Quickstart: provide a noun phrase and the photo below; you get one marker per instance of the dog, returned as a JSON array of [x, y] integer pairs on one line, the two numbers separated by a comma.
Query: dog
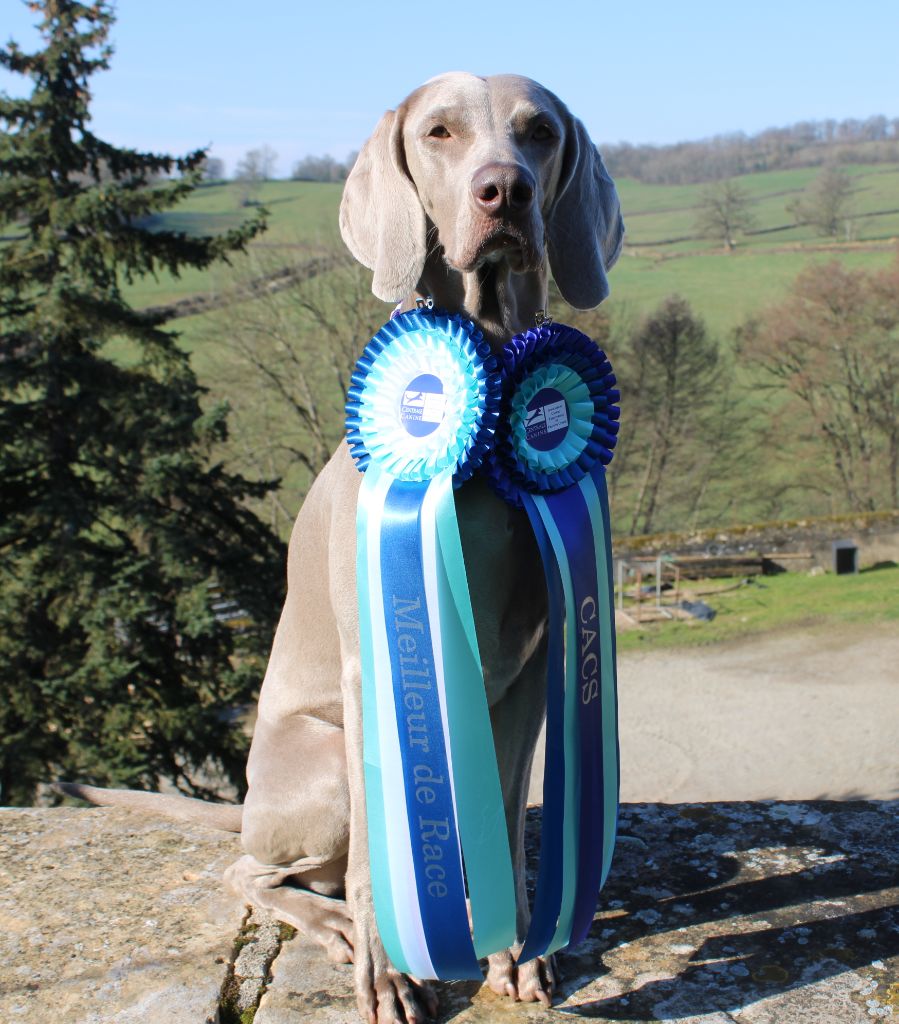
[[470, 192]]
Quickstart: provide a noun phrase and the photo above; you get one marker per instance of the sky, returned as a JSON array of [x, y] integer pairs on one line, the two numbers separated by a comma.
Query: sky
[[314, 77]]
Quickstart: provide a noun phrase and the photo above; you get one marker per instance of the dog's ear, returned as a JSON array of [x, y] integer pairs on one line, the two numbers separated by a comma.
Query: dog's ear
[[381, 217], [584, 229]]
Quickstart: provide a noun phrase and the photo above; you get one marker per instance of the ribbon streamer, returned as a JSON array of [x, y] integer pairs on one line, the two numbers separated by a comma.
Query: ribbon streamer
[[558, 431], [424, 414], [421, 415]]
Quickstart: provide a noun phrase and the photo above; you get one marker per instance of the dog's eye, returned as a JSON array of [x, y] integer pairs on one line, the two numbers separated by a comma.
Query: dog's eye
[[439, 131], [542, 132]]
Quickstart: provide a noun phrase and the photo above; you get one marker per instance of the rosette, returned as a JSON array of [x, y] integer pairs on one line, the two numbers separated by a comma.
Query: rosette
[[561, 412], [556, 434], [421, 414], [424, 397]]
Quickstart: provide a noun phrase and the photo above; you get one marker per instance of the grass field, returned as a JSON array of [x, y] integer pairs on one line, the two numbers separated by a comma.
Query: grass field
[[788, 601], [661, 257], [723, 287]]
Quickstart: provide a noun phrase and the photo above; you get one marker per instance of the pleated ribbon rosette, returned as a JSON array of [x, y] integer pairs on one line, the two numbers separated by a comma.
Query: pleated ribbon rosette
[[429, 406], [557, 431], [422, 410]]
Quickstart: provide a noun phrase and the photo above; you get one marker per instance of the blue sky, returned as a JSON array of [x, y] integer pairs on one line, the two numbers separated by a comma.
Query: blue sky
[[314, 77]]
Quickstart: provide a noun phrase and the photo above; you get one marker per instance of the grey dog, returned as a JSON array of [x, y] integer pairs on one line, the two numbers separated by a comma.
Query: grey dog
[[471, 192]]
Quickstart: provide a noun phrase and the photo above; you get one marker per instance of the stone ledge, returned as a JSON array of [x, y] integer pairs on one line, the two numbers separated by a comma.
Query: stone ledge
[[726, 913], [107, 916]]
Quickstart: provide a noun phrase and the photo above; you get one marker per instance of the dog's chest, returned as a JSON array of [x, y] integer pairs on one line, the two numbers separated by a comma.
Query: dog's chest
[[505, 577]]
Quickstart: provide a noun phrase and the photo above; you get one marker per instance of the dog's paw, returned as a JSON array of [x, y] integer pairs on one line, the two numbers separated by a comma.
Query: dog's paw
[[531, 982], [384, 996], [334, 930], [537, 980]]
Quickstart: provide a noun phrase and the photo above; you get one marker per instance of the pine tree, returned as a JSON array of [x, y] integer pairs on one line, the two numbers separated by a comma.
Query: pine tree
[[122, 542]]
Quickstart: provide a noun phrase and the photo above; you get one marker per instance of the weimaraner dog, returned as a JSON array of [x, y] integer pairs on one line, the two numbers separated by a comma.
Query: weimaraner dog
[[470, 192]]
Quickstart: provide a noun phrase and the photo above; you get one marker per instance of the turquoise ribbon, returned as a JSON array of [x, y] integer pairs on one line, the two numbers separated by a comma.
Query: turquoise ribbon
[[597, 498], [485, 838], [433, 794], [421, 415]]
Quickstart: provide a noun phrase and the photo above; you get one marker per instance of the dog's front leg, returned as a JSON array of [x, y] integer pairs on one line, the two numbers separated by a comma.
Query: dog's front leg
[[516, 721], [383, 994]]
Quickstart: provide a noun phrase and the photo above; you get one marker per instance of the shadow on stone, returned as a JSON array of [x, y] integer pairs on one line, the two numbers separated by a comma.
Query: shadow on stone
[[725, 913], [710, 909]]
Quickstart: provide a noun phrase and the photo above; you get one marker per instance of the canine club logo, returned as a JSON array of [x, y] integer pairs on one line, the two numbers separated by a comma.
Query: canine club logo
[[546, 423], [423, 405]]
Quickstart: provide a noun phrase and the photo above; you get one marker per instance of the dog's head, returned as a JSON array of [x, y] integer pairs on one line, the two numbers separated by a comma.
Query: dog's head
[[488, 169]]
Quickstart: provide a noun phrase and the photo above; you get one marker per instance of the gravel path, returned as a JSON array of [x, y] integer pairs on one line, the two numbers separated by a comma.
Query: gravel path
[[789, 716]]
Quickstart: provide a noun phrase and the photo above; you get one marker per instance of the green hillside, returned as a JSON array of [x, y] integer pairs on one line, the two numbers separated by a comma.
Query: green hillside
[[281, 359], [662, 254]]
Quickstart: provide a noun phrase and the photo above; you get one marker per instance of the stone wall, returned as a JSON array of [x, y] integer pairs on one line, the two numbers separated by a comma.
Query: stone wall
[[877, 535], [725, 913]]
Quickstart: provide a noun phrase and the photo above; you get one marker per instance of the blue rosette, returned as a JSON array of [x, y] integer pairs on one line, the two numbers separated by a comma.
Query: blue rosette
[[561, 412], [424, 396], [557, 433], [422, 411]]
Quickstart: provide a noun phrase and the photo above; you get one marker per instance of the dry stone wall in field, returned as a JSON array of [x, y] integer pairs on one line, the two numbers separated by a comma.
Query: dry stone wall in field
[[876, 534]]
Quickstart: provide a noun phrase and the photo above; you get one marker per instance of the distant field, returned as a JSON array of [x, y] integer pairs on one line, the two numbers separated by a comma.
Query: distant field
[[726, 287], [661, 257], [302, 217], [792, 600], [723, 287]]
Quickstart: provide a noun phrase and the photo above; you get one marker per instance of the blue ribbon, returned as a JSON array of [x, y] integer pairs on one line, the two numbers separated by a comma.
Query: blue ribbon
[[421, 416], [423, 412], [558, 431], [436, 853]]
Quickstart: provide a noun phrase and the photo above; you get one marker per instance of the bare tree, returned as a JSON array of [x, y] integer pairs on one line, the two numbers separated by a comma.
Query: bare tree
[[724, 212], [319, 168], [668, 377], [257, 164], [285, 365], [213, 168], [698, 472], [832, 344], [255, 167], [883, 383], [826, 203]]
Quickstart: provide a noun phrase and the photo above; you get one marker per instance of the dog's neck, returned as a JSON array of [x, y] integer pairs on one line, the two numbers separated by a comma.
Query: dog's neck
[[501, 302]]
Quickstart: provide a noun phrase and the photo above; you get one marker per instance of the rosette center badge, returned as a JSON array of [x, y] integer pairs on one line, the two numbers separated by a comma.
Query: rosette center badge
[[546, 420], [423, 405], [550, 417]]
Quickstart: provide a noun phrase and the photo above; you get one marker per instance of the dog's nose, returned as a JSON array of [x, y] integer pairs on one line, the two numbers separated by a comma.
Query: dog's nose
[[503, 189]]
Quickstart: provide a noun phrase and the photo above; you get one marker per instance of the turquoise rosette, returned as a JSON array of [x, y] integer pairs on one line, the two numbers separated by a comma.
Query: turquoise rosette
[[560, 412], [424, 397], [422, 411]]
